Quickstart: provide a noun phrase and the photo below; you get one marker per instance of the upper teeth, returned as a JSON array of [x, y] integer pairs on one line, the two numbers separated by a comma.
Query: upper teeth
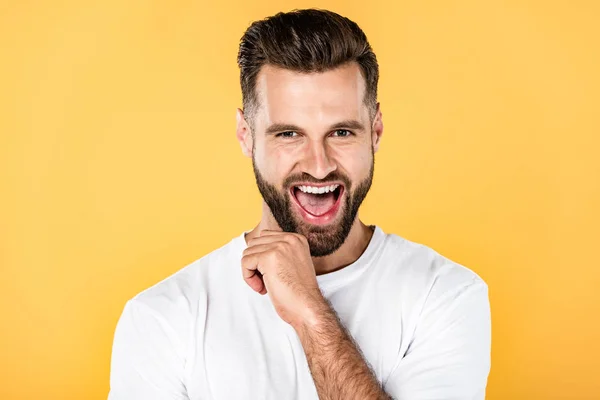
[[318, 190]]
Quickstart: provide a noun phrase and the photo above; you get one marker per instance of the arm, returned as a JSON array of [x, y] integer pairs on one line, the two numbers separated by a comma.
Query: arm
[[279, 264], [449, 354], [336, 363]]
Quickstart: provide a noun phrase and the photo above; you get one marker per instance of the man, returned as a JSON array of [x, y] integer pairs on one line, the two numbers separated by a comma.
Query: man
[[311, 303]]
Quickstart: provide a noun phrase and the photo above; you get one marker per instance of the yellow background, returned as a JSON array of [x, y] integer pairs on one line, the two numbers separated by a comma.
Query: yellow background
[[119, 166]]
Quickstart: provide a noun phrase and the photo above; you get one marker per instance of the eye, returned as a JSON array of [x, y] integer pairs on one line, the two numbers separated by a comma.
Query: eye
[[342, 133], [287, 134]]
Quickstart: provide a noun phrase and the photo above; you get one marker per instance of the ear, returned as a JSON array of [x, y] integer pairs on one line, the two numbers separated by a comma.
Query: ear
[[377, 128], [243, 133]]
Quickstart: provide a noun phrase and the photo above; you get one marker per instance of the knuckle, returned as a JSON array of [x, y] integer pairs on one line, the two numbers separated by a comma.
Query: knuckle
[[293, 238], [303, 238]]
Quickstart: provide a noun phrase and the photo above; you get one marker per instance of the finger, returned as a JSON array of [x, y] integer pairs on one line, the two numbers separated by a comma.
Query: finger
[[249, 265], [258, 247], [271, 232], [251, 274], [286, 236], [271, 239], [264, 289], [256, 283]]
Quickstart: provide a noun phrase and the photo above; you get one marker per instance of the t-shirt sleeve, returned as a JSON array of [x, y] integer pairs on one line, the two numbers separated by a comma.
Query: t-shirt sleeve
[[147, 357], [449, 356]]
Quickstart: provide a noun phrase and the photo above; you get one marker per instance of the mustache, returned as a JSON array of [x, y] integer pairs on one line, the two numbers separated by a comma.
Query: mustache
[[304, 177]]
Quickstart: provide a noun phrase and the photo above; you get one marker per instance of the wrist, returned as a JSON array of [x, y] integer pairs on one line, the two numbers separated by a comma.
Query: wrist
[[315, 314]]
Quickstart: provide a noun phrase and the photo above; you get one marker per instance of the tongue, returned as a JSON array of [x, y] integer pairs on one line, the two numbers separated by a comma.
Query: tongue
[[316, 204]]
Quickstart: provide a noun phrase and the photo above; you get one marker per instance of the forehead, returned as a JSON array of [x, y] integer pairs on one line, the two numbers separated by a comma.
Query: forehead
[[315, 98]]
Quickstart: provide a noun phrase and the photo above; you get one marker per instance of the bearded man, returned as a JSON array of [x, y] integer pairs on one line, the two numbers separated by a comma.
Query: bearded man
[[311, 303]]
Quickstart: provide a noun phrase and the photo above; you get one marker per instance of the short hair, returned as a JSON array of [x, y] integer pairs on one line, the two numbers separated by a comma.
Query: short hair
[[309, 40]]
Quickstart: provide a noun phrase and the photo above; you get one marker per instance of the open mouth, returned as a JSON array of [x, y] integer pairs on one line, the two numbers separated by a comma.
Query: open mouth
[[318, 204]]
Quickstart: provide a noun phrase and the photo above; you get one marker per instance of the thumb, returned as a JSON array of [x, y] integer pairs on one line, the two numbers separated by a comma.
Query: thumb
[[256, 283]]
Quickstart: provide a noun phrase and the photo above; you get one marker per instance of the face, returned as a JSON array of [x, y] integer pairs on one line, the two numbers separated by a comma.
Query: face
[[313, 151]]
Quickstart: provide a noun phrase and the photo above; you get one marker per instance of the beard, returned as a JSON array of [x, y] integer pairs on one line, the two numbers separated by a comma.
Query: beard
[[322, 240]]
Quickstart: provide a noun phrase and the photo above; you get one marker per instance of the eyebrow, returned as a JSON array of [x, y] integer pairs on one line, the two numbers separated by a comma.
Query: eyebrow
[[347, 124]]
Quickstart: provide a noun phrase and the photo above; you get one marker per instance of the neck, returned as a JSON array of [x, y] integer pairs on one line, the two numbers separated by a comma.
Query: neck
[[355, 244]]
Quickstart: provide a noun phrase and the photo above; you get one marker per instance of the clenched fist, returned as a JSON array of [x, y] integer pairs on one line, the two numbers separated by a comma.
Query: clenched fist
[[279, 263]]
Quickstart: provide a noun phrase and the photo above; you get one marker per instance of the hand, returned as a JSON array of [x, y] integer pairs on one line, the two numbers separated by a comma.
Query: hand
[[279, 263]]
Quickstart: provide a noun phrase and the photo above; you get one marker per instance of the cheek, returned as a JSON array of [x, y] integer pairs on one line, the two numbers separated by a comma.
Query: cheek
[[273, 163], [356, 162]]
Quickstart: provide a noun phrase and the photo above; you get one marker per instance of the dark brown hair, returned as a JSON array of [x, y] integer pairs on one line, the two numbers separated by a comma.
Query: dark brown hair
[[310, 40]]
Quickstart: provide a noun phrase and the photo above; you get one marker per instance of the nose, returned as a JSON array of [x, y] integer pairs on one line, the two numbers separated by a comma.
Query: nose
[[317, 160]]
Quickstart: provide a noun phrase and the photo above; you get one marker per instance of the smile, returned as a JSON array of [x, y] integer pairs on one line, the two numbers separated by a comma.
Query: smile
[[317, 204]]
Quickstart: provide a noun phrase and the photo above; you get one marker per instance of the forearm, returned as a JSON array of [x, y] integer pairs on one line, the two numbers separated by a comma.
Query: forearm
[[336, 363]]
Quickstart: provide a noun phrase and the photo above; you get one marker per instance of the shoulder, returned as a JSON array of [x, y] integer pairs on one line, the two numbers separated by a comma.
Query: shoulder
[[179, 296], [423, 274], [446, 324], [156, 329]]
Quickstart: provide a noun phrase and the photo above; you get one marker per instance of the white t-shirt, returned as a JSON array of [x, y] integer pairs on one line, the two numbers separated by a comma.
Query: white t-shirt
[[421, 321]]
